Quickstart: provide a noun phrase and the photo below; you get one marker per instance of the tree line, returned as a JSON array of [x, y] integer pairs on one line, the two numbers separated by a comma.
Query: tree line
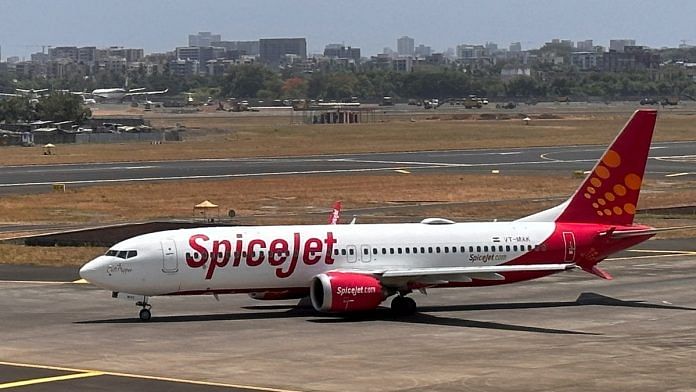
[[256, 81]]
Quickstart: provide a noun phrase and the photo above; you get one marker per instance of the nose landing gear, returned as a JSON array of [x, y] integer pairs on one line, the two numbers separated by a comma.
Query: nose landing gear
[[145, 313]]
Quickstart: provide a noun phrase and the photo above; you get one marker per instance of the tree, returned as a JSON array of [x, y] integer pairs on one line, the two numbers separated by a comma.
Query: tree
[[295, 87], [16, 109], [62, 107]]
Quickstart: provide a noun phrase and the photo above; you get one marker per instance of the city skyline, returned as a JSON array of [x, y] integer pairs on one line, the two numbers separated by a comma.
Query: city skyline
[[159, 26]]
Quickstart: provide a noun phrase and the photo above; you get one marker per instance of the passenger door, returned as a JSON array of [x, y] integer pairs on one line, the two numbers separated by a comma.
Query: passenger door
[[170, 264]]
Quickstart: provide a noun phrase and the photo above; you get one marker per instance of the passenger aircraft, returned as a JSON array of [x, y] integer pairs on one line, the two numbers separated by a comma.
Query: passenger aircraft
[[356, 267], [120, 93]]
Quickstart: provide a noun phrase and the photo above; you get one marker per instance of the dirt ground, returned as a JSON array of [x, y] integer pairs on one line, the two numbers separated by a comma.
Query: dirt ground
[[385, 197]]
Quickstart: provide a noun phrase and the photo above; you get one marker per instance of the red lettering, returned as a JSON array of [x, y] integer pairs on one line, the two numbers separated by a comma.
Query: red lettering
[[312, 251], [293, 260], [277, 252], [280, 253], [217, 260], [238, 251], [250, 260], [330, 241], [190, 259]]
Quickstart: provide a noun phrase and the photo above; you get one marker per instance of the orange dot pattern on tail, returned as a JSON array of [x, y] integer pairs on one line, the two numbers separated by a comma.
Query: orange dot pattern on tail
[[609, 194]]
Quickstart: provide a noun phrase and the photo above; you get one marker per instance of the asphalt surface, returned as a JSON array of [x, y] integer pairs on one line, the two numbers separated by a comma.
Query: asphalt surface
[[568, 332], [677, 159]]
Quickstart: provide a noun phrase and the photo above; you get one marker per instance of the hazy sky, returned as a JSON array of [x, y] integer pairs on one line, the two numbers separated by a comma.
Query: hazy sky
[[158, 25]]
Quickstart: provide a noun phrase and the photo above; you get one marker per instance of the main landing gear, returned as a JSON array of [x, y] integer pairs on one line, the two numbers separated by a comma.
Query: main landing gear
[[403, 306], [145, 313]]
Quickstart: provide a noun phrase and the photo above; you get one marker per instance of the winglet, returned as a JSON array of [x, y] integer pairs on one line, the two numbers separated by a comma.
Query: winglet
[[335, 213]]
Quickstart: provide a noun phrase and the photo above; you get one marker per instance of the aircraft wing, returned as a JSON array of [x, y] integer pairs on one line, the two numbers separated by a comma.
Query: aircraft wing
[[131, 93], [10, 95], [442, 275]]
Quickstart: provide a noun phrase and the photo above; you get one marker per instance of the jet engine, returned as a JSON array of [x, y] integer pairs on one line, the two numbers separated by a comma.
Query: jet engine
[[345, 292]]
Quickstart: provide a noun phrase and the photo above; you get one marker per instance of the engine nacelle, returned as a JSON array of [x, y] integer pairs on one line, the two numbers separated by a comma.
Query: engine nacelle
[[277, 295], [345, 292]]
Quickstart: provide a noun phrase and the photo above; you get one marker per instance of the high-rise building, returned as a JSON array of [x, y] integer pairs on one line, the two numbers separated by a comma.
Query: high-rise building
[[423, 51], [250, 48], [618, 45], [585, 46], [203, 38], [342, 52], [515, 47], [273, 51], [405, 46]]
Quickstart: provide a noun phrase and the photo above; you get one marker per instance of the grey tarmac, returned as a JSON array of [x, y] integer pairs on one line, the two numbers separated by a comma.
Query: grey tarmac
[[568, 332], [668, 159]]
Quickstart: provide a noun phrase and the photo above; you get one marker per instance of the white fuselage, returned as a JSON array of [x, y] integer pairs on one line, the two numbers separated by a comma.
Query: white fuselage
[[239, 259]]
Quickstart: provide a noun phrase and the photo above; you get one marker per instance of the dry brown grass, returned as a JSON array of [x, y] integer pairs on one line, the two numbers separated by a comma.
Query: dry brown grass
[[215, 136], [58, 256], [387, 197]]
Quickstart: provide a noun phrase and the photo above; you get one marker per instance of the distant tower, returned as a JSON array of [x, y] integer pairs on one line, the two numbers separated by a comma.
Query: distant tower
[[405, 46]]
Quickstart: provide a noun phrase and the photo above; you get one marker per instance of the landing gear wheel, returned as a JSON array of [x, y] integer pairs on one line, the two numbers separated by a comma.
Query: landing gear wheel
[[403, 306], [145, 314]]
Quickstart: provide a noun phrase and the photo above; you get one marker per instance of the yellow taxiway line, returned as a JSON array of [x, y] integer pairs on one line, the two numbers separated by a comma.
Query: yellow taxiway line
[[33, 381], [91, 373]]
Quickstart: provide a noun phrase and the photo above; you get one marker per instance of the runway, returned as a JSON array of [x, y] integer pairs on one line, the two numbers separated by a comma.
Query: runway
[[568, 332], [670, 159]]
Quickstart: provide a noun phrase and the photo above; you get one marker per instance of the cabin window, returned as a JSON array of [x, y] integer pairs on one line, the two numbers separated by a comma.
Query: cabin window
[[366, 251], [111, 252], [478, 249], [343, 252], [430, 249], [514, 247], [408, 250], [384, 251], [437, 249], [336, 251], [415, 250], [462, 249], [507, 248], [485, 248], [446, 249], [122, 254], [351, 251], [500, 248], [529, 247], [471, 249], [454, 249], [422, 249], [131, 253], [374, 251], [398, 250]]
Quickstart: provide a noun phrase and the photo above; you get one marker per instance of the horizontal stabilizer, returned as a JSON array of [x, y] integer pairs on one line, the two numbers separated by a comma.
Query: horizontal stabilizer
[[599, 272], [643, 232]]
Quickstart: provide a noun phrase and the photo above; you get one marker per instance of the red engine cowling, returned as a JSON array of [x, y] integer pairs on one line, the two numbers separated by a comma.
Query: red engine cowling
[[345, 292]]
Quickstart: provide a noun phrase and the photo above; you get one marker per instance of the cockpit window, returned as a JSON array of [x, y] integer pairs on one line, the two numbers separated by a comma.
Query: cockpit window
[[122, 254]]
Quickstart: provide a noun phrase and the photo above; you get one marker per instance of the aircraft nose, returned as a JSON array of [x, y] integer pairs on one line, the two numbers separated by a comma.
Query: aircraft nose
[[92, 271]]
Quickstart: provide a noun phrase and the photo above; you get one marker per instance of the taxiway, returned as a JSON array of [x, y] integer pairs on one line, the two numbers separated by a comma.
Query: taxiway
[[568, 332]]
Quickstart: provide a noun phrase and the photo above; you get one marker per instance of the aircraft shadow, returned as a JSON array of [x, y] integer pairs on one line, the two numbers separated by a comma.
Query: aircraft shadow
[[422, 317]]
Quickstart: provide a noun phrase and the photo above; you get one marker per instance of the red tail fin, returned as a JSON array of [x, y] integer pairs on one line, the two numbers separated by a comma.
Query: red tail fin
[[610, 192]]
